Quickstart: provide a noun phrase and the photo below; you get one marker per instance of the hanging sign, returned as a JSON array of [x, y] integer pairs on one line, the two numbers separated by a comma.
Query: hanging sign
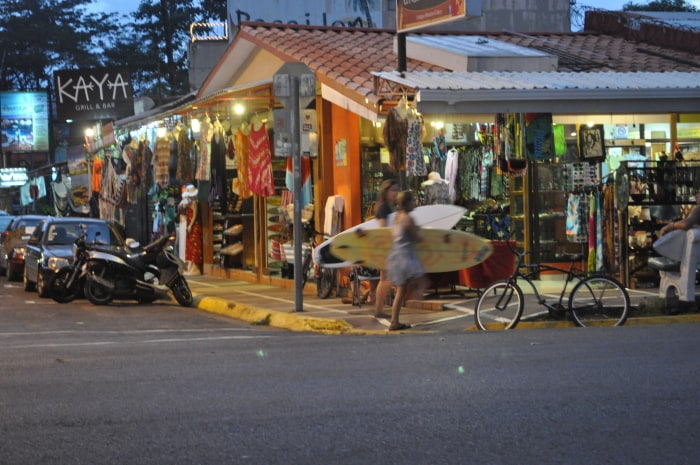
[[94, 94], [414, 14]]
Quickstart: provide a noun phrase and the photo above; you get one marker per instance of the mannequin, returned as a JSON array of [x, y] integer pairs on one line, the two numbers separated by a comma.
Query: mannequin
[[188, 210]]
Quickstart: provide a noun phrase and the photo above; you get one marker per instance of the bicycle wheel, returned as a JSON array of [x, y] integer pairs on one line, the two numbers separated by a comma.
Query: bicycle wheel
[[499, 307], [305, 268], [599, 301], [325, 282]]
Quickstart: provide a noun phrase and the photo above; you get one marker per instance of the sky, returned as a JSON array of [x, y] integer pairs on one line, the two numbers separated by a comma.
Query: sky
[[125, 6]]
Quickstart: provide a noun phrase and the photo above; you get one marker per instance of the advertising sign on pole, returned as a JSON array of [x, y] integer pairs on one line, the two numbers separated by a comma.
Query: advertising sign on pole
[[416, 14], [24, 121]]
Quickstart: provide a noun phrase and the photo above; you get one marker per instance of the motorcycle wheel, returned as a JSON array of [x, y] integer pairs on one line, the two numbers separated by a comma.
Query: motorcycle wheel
[[96, 294], [181, 291], [57, 288]]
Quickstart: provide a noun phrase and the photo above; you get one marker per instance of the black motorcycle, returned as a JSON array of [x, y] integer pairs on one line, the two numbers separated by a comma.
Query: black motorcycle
[[67, 283], [135, 272]]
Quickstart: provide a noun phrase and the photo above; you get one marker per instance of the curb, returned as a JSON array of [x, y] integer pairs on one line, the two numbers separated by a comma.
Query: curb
[[331, 326], [290, 321]]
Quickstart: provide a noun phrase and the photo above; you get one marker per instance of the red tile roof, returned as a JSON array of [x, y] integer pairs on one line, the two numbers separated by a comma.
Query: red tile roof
[[343, 58]]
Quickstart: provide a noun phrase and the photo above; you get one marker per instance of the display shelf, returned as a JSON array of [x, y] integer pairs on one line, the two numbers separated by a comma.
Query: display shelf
[[659, 192]]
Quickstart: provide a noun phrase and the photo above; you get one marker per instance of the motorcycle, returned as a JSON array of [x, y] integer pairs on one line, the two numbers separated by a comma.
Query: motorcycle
[[67, 283], [135, 272]]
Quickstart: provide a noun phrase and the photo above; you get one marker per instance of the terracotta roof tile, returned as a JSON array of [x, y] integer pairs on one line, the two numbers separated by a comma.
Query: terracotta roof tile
[[348, 56]]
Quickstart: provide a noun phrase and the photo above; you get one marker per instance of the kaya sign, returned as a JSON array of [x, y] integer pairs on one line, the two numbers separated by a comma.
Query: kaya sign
[[92, 94]]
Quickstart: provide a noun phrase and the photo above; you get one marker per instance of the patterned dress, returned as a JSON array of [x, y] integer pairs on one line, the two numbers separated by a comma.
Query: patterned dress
[[203, 165], [260, 162], [415, 163], [240, 185], [161, 158], [193, 249]]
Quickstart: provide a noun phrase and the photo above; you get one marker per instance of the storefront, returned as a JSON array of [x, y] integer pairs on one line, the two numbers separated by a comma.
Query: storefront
[[469, 121]]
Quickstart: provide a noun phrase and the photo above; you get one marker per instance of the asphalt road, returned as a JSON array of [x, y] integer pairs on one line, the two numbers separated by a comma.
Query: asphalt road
[[161, 384]]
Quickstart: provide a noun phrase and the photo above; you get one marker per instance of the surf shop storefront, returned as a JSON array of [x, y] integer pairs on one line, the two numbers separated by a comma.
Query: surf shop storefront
[[528, 150]]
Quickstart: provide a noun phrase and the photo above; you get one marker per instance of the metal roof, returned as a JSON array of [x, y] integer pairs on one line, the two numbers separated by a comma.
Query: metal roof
[[465, 92], [474, 46]]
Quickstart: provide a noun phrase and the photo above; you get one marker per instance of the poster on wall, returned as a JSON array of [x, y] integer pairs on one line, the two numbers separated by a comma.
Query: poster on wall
[[79, 176], [591, 142], [24, 121], [539, 138]]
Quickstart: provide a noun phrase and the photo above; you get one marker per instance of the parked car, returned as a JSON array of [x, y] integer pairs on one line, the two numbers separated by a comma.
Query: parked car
[[12, 243], [5, 220], [51, 247]]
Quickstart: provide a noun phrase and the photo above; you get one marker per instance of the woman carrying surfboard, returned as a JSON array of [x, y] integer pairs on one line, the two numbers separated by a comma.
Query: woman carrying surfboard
[[403, 268]]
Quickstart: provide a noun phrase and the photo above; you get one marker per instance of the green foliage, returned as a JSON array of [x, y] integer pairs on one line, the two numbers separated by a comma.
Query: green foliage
[[40, 36], [660, 5]]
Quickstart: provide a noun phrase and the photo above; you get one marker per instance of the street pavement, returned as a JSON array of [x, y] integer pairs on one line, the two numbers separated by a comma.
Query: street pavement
[[274, 305]]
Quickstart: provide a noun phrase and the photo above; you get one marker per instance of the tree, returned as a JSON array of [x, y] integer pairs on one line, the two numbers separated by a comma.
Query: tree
[[363, 6], [157, 48], [38, 37], [660, 5]]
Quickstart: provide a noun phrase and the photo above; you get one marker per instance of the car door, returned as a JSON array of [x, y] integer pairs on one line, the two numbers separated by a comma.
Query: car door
[[33, 252]]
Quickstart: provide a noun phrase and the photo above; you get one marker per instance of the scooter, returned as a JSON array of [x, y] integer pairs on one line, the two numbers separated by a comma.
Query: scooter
[[67, 283], [141, 273]]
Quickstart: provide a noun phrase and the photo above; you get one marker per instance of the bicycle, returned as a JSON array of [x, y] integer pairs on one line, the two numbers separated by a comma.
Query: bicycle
[[324, 277], [595, 299]]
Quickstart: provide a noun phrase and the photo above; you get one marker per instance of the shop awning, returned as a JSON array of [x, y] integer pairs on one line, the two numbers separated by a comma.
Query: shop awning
[[218, 101], [549, 92]]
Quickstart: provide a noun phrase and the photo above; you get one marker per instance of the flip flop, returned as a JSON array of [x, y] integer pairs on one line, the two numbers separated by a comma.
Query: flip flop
[[399, 327]]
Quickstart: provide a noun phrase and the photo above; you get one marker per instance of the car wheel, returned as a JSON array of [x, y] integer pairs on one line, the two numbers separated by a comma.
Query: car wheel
[[41, 286], [29, 286]]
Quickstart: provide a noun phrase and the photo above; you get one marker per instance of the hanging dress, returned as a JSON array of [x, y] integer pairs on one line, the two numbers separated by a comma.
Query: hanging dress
[[161, 157], [415, 163], [240, 184], [203, 164], [260, 162], [184, 162]]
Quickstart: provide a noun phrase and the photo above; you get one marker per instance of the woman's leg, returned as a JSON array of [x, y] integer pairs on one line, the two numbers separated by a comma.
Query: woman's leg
[[396, 307], [383, 288]]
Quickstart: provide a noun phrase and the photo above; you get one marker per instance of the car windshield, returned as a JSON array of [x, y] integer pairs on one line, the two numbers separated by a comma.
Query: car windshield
[[67, 233], [4, 221], [27, 224]]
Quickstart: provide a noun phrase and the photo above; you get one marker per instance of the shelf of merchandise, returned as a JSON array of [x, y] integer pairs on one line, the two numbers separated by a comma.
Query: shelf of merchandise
[[659, 192]]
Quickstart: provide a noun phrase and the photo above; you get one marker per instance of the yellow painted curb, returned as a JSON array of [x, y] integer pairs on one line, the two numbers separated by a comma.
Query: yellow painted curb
[[290, 321]]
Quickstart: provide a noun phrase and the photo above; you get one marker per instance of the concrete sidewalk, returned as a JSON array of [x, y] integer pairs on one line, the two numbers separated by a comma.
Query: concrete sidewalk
[[271, 305]]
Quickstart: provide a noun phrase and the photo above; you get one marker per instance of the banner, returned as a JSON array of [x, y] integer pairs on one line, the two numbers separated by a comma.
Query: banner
[[94, 94], [24, 121]]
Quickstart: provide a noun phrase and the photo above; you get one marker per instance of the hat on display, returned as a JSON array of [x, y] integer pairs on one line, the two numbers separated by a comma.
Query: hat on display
[[433, 177], [190, 191]]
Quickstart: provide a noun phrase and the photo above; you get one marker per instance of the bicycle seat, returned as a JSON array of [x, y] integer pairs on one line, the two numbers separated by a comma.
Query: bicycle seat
[[571, 257]]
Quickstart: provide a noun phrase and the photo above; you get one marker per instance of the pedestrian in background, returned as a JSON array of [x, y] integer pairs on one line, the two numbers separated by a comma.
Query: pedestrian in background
[[386, 204]]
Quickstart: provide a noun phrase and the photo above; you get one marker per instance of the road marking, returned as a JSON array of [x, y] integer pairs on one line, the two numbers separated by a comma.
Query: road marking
[[130, 342]]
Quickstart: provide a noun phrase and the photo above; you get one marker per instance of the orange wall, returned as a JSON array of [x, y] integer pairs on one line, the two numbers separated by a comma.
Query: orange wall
[[346, 179]]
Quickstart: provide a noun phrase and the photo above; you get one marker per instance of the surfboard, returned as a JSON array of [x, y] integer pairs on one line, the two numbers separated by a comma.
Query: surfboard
[[426, 216], [440, 250]]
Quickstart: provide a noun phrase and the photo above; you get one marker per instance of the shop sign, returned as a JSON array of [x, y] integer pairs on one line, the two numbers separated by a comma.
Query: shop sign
[[94, 94], [415, 14], [10, 177]]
